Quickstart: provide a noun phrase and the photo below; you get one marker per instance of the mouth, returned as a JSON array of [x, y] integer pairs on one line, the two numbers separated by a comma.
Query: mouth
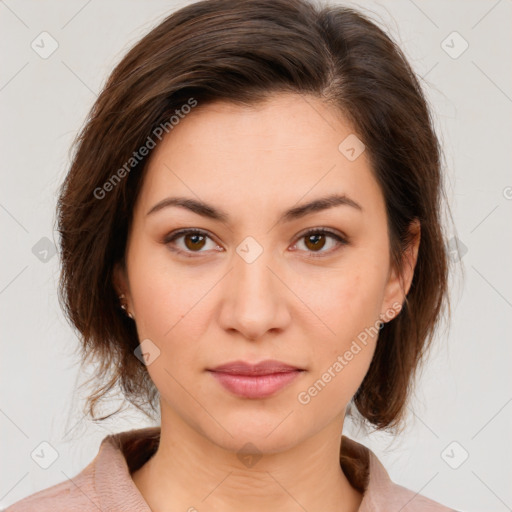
[[254, 381]]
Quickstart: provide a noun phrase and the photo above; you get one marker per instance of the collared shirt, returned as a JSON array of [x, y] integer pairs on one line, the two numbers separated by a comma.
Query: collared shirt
[[105, 485]]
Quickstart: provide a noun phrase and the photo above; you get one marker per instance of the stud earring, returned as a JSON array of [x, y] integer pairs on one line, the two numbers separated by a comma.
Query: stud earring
[[123, 305]]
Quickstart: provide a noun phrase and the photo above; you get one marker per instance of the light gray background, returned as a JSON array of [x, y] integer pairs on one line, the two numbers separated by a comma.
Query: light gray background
[[464, 394]]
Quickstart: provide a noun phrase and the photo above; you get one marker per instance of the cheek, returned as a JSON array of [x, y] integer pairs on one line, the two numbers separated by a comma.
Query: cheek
[[173, 309], [164, 295], [351, 299], [350, 304], [168, 310], [350, 307]]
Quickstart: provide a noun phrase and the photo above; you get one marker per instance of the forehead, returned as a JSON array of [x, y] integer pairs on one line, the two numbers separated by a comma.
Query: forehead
[[270, 155]]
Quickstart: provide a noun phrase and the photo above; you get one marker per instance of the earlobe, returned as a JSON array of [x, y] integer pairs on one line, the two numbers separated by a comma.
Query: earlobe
[[400, 282], [120, 284]]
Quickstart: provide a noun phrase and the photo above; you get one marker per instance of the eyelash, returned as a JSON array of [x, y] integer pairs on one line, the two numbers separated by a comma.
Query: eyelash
[[316, 231]]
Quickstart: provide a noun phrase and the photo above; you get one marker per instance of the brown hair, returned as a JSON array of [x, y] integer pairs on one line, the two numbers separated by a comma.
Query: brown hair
[[243, 52]]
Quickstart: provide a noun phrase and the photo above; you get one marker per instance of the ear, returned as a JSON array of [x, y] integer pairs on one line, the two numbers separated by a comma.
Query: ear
[[120, 280], [399, 282]]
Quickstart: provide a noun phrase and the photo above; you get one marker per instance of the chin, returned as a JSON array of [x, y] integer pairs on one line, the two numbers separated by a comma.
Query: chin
[[267, 434]]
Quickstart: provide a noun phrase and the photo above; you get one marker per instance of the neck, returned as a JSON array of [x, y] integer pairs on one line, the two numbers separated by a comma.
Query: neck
[[189, 472]]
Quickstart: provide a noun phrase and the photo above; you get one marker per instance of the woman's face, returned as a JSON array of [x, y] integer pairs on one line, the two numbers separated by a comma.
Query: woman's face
[[252, 285]]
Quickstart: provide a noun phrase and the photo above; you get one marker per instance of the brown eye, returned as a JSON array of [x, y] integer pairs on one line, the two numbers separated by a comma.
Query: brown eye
[[194, 241], [315, 241], [188, 242]]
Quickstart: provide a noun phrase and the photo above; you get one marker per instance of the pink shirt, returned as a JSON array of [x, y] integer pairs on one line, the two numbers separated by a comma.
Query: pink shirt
[[105, 485]]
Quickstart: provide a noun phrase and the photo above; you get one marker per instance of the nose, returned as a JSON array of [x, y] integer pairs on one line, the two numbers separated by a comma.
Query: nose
[[255, 298]]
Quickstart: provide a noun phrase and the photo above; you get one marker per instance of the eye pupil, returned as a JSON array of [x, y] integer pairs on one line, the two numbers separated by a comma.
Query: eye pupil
[[316, 239]]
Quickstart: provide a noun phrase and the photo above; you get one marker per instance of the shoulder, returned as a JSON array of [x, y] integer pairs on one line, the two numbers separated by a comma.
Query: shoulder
[[407, 500], [105, 484], [61, 497], [73, 494], [384, 494], [380, 492]]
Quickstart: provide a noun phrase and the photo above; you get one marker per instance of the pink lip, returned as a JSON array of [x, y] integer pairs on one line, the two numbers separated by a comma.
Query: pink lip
[[255, 381]]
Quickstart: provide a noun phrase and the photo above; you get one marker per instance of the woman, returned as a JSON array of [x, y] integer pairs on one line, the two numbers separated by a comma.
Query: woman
[[252, 249]]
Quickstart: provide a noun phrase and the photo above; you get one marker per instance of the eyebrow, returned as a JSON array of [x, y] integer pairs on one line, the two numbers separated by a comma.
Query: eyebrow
[[297, 212]]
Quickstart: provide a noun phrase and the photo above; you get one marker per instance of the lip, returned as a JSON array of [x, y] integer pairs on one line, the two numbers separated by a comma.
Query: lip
[[267, 367], [259, 380]]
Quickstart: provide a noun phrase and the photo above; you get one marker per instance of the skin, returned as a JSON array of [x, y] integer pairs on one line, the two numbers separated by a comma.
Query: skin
[[215, 307]]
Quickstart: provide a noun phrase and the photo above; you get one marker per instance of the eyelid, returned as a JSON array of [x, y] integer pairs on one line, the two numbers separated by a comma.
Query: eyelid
[[322, 229]]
